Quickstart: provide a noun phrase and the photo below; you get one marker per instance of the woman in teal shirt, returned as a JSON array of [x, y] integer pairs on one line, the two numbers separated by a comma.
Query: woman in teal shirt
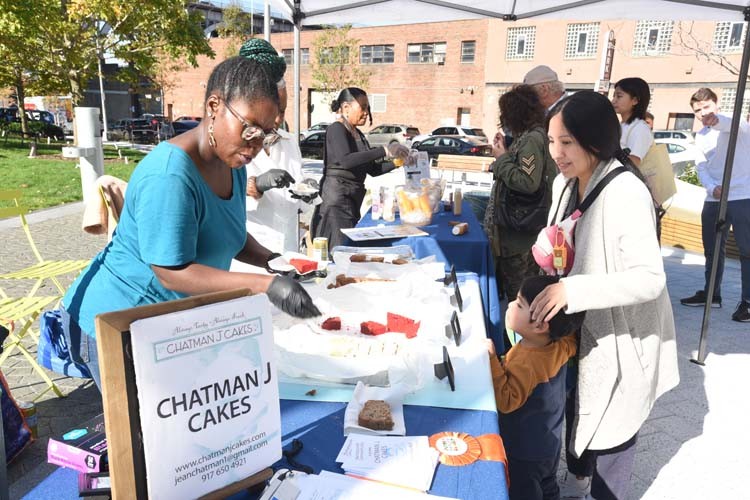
[[184, 216]]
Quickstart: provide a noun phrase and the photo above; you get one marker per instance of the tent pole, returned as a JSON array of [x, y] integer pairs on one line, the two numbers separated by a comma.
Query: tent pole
[[297, 84], [721, 221], [266, 20]]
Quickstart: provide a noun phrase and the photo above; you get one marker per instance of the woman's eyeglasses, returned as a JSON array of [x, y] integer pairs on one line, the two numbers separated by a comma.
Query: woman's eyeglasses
[[252, 132]]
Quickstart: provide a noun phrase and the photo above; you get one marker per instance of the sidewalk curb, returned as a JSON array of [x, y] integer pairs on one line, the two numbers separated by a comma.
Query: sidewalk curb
[[43, 215]]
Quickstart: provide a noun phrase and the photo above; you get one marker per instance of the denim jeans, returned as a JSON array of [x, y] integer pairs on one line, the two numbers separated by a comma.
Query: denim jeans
[[82, 346], [738, 215]]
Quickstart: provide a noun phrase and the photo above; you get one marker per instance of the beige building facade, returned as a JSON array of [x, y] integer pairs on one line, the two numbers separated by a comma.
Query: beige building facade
[[432, 74]]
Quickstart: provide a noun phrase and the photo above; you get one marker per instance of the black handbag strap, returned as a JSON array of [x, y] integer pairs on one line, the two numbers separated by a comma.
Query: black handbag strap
[[586, 203]]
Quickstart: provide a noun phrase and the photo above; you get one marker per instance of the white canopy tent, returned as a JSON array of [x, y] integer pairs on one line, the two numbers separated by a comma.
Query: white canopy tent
[[393, 12]]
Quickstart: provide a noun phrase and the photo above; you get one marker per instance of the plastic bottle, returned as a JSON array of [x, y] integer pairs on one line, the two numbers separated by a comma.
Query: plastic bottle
[[460, 228], [389, 214], [377, 203], [457, 201]]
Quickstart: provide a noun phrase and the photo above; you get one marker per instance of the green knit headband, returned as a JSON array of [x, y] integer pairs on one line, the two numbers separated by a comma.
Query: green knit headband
[[261, 51]]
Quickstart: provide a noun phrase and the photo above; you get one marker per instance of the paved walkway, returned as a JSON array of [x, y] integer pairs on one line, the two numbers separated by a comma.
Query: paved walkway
[[692, 447]]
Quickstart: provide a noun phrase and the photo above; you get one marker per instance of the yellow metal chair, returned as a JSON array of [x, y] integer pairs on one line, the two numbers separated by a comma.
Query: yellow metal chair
[[43, 269], [19, 315]]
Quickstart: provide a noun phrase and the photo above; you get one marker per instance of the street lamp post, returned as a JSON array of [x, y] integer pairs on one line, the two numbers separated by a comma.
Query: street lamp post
[[104, 99]]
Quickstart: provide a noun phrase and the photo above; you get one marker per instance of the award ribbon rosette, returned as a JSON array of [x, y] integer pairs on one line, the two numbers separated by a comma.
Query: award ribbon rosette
[[459, 448]]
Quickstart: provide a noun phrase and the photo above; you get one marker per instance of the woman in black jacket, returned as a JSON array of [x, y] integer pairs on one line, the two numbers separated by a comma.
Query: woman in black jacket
[[347, 159]]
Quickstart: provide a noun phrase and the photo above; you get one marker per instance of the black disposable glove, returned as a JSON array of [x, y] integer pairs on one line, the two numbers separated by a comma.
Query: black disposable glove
[[274, 178], [290, 297], [269, 259], [307, 198]]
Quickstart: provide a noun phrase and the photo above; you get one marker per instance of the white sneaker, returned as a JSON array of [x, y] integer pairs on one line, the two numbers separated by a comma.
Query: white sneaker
[[572, 488]]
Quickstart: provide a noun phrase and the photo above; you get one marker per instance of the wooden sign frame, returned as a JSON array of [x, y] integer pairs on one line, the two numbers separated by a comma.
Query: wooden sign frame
[[127, 462]]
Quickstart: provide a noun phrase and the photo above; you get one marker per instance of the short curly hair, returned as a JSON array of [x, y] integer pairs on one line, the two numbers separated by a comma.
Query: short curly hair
[[521, 110]]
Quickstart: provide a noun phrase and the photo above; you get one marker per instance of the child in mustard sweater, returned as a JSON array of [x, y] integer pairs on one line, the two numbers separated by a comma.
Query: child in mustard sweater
[[529, 388]]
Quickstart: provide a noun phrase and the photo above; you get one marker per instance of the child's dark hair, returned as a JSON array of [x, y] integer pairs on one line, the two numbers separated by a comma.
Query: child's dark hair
[[349, 94], [561, 324], [639, 89], [238, 78]]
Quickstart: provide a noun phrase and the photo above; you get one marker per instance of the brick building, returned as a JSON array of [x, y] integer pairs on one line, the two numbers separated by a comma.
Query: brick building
[[436, 73]]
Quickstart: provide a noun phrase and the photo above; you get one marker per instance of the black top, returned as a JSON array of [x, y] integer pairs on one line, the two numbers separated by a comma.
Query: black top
[[347, 159], [351, 158]]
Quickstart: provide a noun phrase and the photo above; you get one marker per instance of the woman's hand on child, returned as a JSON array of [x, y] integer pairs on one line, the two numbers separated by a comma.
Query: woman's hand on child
[[548, 303]]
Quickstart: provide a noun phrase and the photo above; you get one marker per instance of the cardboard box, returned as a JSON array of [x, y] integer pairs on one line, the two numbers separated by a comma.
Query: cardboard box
[[83, 448], [127, 463]]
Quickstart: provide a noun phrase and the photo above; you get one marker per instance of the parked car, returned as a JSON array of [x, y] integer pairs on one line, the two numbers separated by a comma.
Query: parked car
[[133, 129], [181, 126], [468, 132], [40, 115], [318, 127], [453, 145], [165, 131], [8, 114], [390, 133], [682, 154], [188, 119], [684, 135], [41, 123], [312, 145]]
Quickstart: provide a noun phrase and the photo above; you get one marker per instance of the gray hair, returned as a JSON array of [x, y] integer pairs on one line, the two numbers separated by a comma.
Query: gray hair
[[557, 86]]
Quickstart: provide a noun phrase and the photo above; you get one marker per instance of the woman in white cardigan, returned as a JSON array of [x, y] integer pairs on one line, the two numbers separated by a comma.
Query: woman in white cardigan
[[627, 354]]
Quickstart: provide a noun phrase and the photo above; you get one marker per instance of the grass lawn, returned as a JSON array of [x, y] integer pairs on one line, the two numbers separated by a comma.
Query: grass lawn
[[50, 180]]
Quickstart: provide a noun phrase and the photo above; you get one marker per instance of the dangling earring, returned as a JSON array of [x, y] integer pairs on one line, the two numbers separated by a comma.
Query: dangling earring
[[211, 138]]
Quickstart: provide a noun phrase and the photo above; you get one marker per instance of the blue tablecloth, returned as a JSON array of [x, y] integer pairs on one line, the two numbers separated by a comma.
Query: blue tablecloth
[[320, 428], [467, 252]]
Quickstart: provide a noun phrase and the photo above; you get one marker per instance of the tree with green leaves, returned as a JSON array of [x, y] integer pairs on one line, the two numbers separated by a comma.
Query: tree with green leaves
[[335, 61], [19, 51], [73, 35], [236, 26]]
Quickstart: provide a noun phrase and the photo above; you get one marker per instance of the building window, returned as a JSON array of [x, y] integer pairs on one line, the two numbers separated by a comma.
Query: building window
[[376, 54], [582, 41], [468, 49], [729, 37], [426, 52], [330, 55], [520, 43], [726, 102], [652, 38], [289, 56], [378, 103]]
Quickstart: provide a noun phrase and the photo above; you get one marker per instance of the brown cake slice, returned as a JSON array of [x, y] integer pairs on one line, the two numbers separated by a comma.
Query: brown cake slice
[[376, 415]]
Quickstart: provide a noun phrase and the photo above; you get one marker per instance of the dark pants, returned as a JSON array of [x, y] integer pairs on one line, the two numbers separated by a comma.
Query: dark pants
[[81, 345], [738, 215], [611, 469], [513, 270], [533, 480], [329, 224]]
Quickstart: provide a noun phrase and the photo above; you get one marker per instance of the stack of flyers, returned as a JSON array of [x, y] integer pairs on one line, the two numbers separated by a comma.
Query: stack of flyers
[[407, 461]]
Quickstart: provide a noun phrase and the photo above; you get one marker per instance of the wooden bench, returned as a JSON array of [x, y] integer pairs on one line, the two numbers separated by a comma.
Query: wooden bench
[[678, 232], [464, 163]]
